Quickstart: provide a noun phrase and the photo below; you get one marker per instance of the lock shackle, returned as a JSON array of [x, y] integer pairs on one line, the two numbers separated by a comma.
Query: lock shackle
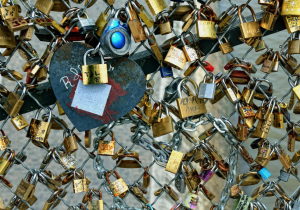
[[166, 109], [240, 65], [193, 37], [112, 136], [118, 12], [213, 79], [107, 176], [251, 10], [38, 113], [162, 19], [136, 5], [128, 8], [150, 38], [291, 83], [23, 93], [180, 83], [276, 7], [266, 81], [10, 156], [53, 197], [210, 13], [90, 51]]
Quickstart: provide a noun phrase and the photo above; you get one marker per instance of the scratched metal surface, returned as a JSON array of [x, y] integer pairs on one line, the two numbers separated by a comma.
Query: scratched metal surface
[[126, 78]]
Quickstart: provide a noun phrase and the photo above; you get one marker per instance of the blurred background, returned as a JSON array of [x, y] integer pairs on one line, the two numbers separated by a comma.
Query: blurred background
[[123, 134]]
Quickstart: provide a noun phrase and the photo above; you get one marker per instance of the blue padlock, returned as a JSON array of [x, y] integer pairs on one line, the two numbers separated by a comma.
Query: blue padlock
[[265, 173], [165, 70], [116, 37]]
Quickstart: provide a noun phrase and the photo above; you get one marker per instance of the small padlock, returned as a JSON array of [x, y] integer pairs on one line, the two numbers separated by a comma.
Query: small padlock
[[143, 14], [45, 6], [165, 70], [172, 193], [80, 185], [107, 148], [175, 57], [165, 126], [225, 47], [85, 25], [70, 142], [296, 89], [268, 19], [284, 176], [96, 73], [39, 130], [26, 187], [180, 182], [174, 162], [206, 28], [146, 178], [14, 102], [4, 141], [9, 12], [96, 204], [6, 161], [265, 173], [156, 6], [241, 132], [207, 90], [118, 187]]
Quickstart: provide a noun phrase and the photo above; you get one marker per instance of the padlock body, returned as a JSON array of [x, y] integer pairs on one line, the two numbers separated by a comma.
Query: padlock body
[[156, 6], [175, 58], [190, 106], [4, 164], [118, 187], [164, 127], [13, 104], [206, 29], [268, 21], [289, 7], [45, 6], [94, 74], [38, 130], [250, 29], [106, 148], [96, 205]]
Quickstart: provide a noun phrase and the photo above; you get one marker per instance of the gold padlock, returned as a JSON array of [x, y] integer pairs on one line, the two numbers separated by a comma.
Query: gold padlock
[[87, 138], [26, 187], [17, 24], [118, 187], [39, 130], [135, 163], [4, 141], [45, 6], [165, 25], [135, 25], [102, 21], [143, 14], [60, 6], [163, 127], [80, 185], [9, 12], [192, 105], [96, 204], [225, 47], [107, 148], [175, 57], [252, 178], [174, 161], [268, 19], [8, 40], [206, 28], [70, 142], [94, 74], [14, 102], [290, 7], [6, 161], [156, 6], [250, 29]]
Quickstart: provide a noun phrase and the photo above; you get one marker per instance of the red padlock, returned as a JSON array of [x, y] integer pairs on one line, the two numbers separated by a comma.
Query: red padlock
[[74, 34], [29, 79], [208, 66], [231, 63], [239, 77]]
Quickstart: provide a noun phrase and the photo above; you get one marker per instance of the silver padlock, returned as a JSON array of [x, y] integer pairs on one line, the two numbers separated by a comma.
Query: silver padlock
[[85, 25], [179, 182], [207, 90], [284, 176]]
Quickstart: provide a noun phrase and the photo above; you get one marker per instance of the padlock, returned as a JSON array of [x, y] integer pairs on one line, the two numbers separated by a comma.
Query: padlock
[[9, 12], [165, 25], [284, 176], [171, 192], [6, 161], [45, 6], [39, 130], [14, 102], [4, 141], [191, 178], [68, 160], [165, 126], [250, 29], [143, 14], [118, 187], [268, 19], [70, 142], [290, 23], [135, 25], [278, 118], [26, 35], [153, 44], [102, 21], [26, 187], [96, 204], [296, 89], [96, 73], [242, 203], [268, 64], [8, 40], [180, 182], [206, 28], [188, 50], [290, 7], [241, 133], [231, 95], [226, 17], [283, 158], [293, 44], [165, 70], [207, 174], [225, 47], [250, 178], [175, 57], [246, 111], [146, 178], [207, 90], [85, 24], [191, 200], [156, 6], [260, 46], [80, 185], [107, 148], [174, 162], [192, 105], [116, 40], [155, 116], [247, 93], [60, 6], [17, 24]]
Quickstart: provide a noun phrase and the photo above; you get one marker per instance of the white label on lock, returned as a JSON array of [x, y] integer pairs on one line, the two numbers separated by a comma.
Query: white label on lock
[[91, 98]]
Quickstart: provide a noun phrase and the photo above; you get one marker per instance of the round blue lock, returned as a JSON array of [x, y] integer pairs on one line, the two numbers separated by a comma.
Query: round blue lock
[[118, 40]]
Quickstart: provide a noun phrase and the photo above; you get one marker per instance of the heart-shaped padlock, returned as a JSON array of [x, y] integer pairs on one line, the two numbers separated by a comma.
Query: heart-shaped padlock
[[124, 90]]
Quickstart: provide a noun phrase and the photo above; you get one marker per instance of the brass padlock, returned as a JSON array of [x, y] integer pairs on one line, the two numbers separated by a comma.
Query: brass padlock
[[290, 23], [107, 148], [156, 6], [39, 130], [206, 28], [96, 204], [102, 21], [225, 47], [250, 29], [246, 111], [8, 40], [191, 178], [263, 155], [165, 25], [146, 178], [45, 6], [289, 7], [163, 127], [118, 187], [252, 178], [268, 19], [4, 141], [175, 57], [80, 185], [70, 142], [296, 89], [26, 187], [6, 161], [26, 35], [192, 105], [9, 12], [94, 74], [11, 75], [17, 24], [87, 138], [153, 44], [143, 14], [135, 163], [60, 6], [14, 102], [241, 132], [174, 161], [135, 25], [294, 44], [283, 158]]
